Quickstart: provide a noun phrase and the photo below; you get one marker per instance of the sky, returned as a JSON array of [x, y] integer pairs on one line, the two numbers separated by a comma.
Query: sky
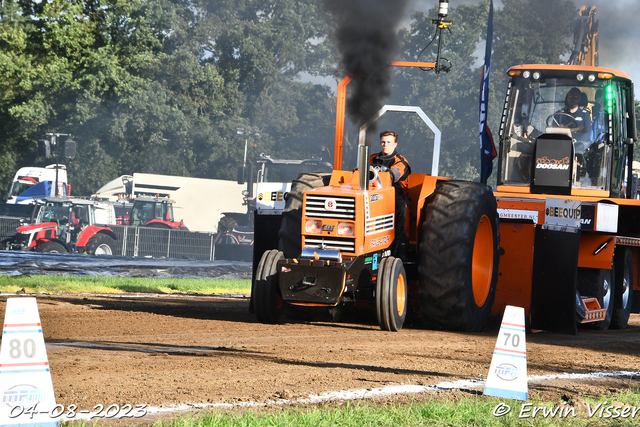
[[619, 35]]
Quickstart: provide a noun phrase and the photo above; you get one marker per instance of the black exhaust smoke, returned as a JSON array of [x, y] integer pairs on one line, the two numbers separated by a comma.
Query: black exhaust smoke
[[367, 39]]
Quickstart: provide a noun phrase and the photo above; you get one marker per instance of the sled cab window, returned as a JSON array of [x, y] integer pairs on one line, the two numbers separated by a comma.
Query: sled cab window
[[557, 105]]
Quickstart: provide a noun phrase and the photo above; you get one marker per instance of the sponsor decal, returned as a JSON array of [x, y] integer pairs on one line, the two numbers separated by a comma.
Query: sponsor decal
[[547, 163], [285, 269], [22, 394], [330, 205], [379, 241], [327, 227], [563, 212], [375, 262], [386, 253], [375, 197], [507, 372], [560, 212], [368, 260], [518, 214], [273, 196]]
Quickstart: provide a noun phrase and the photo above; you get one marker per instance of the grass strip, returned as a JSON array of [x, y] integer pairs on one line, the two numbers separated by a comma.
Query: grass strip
[[98, 284], [467, 411]]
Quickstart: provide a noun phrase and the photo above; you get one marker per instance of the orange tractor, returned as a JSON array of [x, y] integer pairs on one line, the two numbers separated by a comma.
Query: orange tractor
[[337, 232]]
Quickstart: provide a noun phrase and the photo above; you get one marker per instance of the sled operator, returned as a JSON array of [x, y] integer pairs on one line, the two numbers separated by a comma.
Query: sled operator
[[574, 116], [399, 169]]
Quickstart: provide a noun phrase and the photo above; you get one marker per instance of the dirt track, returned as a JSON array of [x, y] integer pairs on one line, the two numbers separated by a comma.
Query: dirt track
[[171, 350]]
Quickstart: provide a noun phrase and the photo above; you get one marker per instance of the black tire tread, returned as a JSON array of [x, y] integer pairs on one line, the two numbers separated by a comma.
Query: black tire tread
[[289, 238], [266, 284], [448, 235], [621, 314], [97, 240], [51, 247]]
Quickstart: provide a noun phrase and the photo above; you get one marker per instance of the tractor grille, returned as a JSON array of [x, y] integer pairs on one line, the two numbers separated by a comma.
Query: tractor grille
[[345, 207], [341, 244], [378, 224]]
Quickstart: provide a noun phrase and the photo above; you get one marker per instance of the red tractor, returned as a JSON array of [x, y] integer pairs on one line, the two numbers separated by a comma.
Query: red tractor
[[156, 212], [62, 224]]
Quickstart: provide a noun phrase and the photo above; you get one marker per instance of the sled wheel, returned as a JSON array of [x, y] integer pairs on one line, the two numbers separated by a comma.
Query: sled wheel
[[53, 247], [101, 244], [458, 264], [597, 283], [268, 302], [289, 235], [623, 283], [391, 295]]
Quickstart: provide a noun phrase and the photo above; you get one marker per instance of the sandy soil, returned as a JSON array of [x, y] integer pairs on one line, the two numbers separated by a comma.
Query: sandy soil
[[203, 349]]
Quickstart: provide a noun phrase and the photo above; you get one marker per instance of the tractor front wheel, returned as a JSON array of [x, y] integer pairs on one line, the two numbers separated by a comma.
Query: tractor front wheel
[[458, 266], [391, 294], [267, 301], [53, 247]]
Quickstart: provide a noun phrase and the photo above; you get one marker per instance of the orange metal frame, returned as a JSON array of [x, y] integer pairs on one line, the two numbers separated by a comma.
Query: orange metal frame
[[341, 108]]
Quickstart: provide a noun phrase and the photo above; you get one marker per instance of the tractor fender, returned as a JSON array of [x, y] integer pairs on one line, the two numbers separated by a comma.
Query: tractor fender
[[91, 231], [421, 188]]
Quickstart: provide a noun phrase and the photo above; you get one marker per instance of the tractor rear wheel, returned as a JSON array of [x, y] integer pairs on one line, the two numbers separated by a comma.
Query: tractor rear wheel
[[598, 283], [623, 283], [458, 266], [391, 294], [267, 301], [53, 247], [289, 236], [101, 244]]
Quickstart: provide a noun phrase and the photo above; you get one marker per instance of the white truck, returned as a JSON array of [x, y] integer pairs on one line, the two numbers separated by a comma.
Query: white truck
[[198, 202], [31, 183]]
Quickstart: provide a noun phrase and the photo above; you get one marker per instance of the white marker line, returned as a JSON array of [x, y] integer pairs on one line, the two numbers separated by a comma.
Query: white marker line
[[371, 393]]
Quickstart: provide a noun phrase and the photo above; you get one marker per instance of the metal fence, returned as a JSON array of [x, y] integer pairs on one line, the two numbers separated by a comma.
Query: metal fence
[[160, 243]]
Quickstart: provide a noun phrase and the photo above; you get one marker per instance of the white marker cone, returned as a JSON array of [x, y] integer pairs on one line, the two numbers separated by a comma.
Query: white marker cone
[[508, 372], [27, 397]]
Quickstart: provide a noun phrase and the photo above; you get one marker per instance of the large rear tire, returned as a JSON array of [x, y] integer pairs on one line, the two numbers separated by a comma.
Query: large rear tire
[[598, 283], [289, 236], [101, 244], [267, 301], [623, 297], [458, 265], [391, 294]]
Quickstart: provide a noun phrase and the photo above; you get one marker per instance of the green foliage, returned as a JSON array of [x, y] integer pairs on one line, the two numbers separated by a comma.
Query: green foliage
[[155, 86]]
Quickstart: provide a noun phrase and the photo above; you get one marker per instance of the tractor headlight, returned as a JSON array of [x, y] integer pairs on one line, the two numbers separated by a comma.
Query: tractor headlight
[[346, 229], [313, 226]]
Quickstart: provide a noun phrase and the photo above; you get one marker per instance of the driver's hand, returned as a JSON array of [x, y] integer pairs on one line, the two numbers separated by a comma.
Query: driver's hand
[[579, 129]]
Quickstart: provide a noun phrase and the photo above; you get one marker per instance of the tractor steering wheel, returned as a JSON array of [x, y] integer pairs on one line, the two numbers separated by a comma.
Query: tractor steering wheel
[[554, 122]]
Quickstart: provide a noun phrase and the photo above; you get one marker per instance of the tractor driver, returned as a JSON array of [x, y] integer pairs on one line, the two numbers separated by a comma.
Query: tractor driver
[[575, 117], [399, 169]]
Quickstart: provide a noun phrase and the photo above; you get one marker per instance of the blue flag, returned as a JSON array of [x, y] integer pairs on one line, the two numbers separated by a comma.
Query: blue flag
[[487, 147]]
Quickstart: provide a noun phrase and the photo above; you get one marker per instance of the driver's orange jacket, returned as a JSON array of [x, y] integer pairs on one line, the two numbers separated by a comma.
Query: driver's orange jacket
[[398, 168]]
